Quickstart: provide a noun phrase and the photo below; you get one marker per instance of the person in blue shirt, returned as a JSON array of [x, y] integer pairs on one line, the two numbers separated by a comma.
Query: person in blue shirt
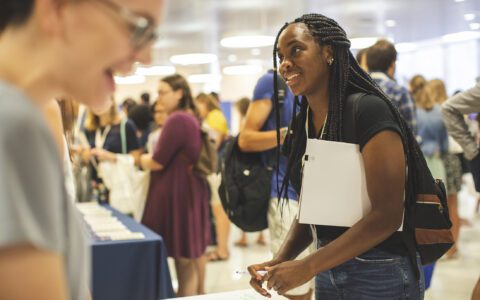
[[381, 62], [258, 134]]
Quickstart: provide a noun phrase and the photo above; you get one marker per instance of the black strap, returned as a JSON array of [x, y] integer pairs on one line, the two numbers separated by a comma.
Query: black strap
[[277, 105], [350, 121], [282, 91]]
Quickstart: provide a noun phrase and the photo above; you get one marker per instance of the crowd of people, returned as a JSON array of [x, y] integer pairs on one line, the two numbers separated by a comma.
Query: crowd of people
[[157, 141]]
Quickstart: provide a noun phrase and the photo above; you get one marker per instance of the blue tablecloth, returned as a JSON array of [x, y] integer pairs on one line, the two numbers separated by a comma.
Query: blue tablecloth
[[130, 270]]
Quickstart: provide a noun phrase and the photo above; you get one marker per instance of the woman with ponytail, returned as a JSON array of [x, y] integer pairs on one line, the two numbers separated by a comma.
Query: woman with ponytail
[[371, 259]]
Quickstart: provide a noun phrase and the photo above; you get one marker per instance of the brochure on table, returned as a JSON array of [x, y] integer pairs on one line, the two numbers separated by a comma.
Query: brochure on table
[[104, 225]]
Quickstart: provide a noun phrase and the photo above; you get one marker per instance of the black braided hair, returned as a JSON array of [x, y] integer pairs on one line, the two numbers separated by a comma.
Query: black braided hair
[[346, 77]]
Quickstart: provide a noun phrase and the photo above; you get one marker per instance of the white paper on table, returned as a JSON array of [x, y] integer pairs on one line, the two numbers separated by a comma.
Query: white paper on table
[[334, 189], [126, 236], [108, 227]]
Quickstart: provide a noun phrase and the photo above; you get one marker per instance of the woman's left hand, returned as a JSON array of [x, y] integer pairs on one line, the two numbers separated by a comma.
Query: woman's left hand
[[104, 155], [288, 275]]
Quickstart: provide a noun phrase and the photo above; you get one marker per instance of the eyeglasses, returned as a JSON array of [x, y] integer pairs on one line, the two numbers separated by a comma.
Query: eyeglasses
[[143, 28], [164, 92]]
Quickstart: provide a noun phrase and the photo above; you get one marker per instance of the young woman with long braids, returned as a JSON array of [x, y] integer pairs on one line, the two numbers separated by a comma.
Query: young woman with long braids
[[371, 259]]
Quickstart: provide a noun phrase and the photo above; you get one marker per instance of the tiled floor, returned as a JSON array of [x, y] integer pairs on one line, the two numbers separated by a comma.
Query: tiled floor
[[452, 279]]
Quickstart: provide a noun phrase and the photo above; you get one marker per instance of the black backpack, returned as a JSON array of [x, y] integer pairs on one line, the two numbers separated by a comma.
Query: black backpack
[[246, 182], [427, 219]]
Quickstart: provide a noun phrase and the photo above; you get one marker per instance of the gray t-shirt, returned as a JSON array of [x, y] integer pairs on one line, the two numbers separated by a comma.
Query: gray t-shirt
[[33, 202]]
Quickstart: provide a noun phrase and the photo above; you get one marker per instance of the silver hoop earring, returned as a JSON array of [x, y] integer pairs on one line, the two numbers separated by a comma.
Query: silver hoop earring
[[330, 61]]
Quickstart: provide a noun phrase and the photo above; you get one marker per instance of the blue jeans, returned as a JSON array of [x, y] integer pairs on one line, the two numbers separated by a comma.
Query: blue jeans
[[375, 274]]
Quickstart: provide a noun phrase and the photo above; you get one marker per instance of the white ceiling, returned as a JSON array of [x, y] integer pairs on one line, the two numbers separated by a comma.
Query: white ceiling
[[199, 25]]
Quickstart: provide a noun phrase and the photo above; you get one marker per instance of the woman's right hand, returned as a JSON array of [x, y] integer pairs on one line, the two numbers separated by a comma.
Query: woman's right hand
[[257, 279], [85, 154]]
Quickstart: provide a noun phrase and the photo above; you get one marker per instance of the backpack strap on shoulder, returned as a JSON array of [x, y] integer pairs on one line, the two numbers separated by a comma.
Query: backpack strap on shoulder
[[351, 108]]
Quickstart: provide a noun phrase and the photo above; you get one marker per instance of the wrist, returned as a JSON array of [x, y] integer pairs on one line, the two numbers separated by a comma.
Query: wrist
[[309, 266], [279, 258]]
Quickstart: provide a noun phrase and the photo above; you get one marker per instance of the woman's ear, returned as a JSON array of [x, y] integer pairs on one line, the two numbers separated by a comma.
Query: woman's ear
[[49, 15], [327, 52]]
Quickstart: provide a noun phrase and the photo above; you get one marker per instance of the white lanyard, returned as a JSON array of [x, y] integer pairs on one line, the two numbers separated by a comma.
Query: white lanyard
[[101, 137], [306, 130]]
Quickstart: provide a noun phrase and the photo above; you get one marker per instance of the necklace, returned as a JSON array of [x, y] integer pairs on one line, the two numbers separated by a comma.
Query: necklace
[[323, 127], [322, 132]]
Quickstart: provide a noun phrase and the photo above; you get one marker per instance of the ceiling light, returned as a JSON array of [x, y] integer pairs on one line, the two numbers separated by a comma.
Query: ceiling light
[[405, 47], [469, 17], [255, 52], [203, 78], [242, 70], [459, 0], [474, 26], [248, 41], [390, 23], [460, 36], [155, 71], [365, 42], [193, 59], [132, 79]]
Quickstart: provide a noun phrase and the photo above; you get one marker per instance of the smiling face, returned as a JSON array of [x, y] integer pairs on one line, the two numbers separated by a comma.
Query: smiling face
[[96, 43], [303, 63]]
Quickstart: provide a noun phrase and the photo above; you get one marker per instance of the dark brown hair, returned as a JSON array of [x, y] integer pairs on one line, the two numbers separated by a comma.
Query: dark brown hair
[[381, 55], [178, 82], [209, 100]]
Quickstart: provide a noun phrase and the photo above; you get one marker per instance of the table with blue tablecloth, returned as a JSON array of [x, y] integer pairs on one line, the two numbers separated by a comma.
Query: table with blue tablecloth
[[130, 269]]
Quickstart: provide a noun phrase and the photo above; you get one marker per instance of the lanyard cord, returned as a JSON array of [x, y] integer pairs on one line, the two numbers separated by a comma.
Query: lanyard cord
[[307, 123], [100, 137]]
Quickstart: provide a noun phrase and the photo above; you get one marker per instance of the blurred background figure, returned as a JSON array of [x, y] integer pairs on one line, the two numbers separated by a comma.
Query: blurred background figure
[[381, 63], [141, 116], [416, 84], [241, 106], [362, 58], [177, 201], [453, 166], [433, 142], [145, 99], [127, 105], [216, 124], [159, 117]]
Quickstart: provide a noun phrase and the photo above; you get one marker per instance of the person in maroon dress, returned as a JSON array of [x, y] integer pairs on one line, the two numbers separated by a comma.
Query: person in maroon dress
[[177, 201]]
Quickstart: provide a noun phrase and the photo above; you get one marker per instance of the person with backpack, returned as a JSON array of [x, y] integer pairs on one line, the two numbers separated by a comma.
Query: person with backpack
[[371, 259], [258, 135], [177, 201], [241, 107]]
